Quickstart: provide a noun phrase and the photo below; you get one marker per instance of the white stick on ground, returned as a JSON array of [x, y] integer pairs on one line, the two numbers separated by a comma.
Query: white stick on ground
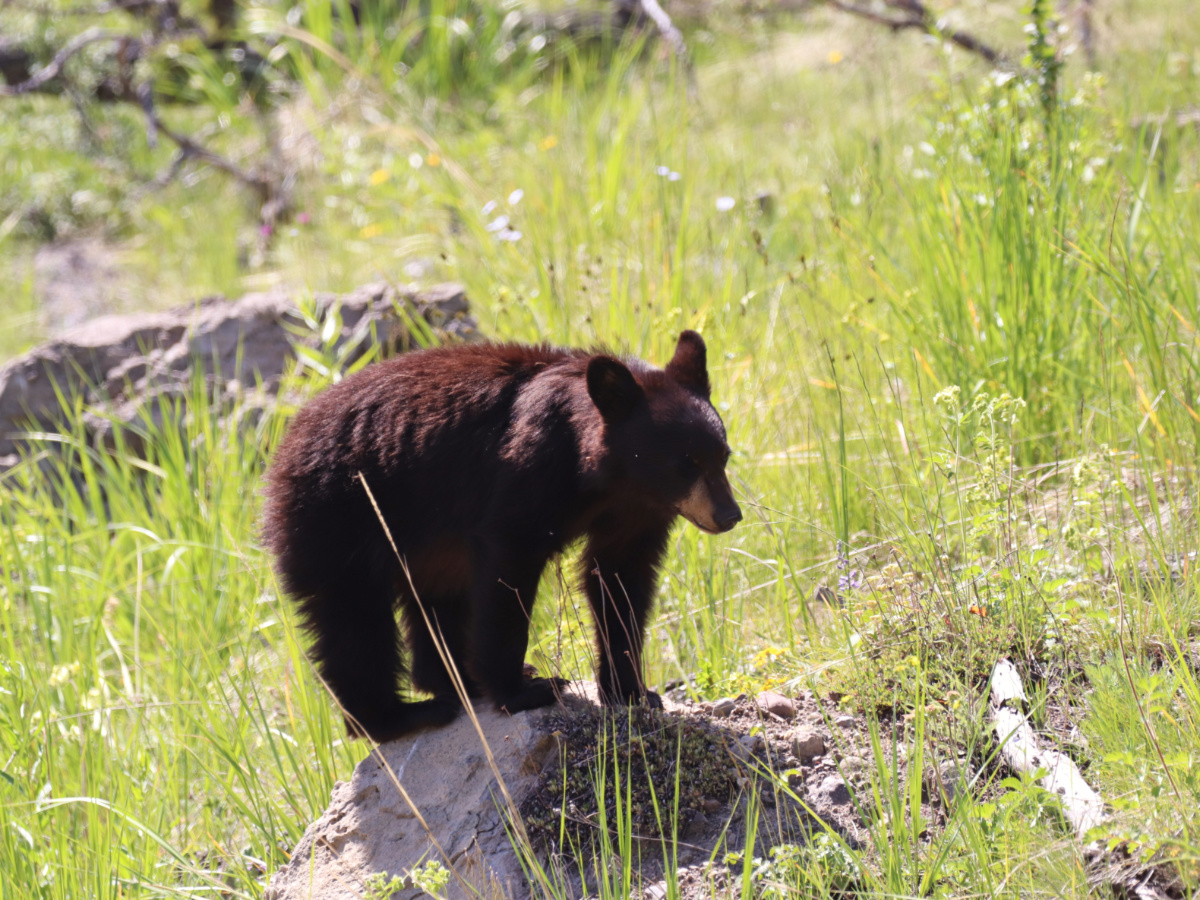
[[1081, 805], [666, 28]]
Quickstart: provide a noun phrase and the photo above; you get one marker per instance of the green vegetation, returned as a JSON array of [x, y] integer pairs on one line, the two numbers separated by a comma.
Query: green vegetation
[[953, 322]]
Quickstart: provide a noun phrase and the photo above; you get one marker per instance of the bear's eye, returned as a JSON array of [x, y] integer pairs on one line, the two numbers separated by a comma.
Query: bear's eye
[[689, 465]]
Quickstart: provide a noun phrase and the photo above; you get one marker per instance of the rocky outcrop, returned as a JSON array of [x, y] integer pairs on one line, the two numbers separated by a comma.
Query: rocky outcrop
[[123, 368], [436, 797]]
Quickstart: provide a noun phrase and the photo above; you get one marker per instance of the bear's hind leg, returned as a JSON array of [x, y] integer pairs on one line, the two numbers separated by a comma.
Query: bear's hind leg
[[357, 651], [448, 618], [501, 611]]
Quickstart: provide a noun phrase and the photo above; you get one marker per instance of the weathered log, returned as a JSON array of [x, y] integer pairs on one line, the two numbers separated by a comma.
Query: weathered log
[[1019, 747], [1115, 869]]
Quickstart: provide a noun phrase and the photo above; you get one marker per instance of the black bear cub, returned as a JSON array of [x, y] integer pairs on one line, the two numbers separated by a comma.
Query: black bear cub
[[485, 461]]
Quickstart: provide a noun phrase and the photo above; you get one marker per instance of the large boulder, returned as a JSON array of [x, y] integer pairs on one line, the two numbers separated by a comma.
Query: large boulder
[[123, 366], [434, 796], [437, 796]]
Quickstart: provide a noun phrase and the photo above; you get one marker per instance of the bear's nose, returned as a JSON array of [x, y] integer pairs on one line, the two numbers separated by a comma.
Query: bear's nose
[[729, 518]]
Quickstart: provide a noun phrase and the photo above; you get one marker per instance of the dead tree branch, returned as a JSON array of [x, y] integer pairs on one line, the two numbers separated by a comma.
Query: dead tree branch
[[917, 15], [1081, 806], [666, 28], [191, 149], [629, 12], [54, 68], [273, 193], [1180, 119], [674, 38]]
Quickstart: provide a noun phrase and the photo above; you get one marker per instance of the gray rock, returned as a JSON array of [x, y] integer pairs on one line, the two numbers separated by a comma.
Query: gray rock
[[832, 791], [854, 765], [752, 743], [947, 781], [723, 707], [126, 368], [772, 702], [844, 721], [370, 826], [807, 744]]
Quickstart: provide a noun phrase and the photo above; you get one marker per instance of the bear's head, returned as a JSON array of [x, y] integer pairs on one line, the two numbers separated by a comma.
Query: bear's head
[[664, 434]]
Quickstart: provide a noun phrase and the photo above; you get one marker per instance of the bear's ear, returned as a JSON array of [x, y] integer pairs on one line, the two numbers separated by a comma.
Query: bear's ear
[[689, 365], [612, 388]]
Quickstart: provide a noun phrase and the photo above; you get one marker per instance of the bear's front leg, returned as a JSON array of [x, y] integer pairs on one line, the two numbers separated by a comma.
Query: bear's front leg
[[502, 606], [620, 571]]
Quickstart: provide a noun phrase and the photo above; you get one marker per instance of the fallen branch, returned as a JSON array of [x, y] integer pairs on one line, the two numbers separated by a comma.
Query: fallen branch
[[1081, 805], [666, 28], [629, 12], [191, 149], [54, 68], [918, 16], [273, 193]]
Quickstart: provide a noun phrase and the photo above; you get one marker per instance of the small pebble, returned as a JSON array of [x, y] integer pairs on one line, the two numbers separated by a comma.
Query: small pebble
[[947, 782], [696, 826], [723, 707], [807, 744], [709, 805], [852, 765], [776, 703], [752, 742], [844, 721], [833, 790]]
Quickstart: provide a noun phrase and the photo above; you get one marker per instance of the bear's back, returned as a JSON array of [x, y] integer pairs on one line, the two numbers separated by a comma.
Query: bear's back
[[431, 412], [427, 431]]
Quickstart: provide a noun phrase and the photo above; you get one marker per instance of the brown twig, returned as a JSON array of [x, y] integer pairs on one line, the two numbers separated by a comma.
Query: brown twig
[[191, 149], [919, 17]]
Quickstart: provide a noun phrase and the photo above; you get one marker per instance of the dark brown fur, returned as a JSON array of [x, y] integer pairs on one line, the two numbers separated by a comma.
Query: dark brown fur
[[486, 460]]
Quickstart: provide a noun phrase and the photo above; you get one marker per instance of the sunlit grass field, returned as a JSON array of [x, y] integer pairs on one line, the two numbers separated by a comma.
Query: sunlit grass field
[[952, 328]]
